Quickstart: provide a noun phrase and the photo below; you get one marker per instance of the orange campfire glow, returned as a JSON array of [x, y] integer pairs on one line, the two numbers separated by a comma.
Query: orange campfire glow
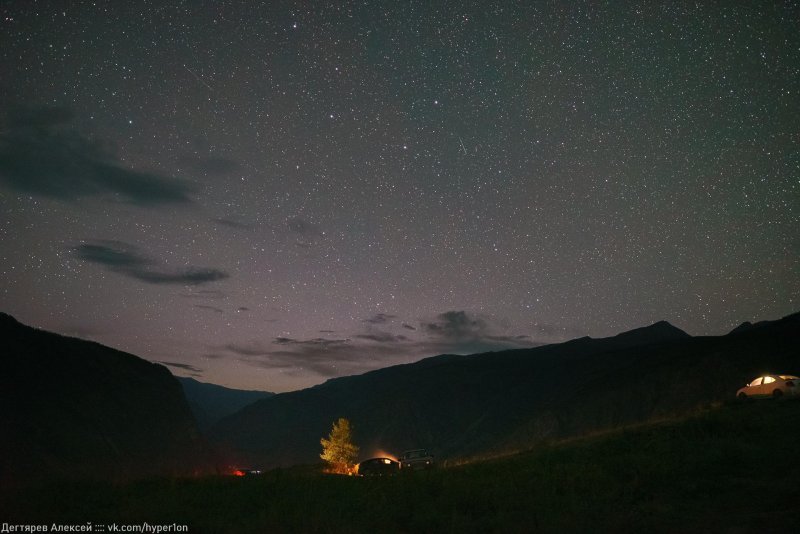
[[380, 453]]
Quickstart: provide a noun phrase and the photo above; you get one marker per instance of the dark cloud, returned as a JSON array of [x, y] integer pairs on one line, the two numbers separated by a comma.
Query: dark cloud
[[259, 349], [306, 233], [247, 349], [324, 360], [453, 332], [114, 254], [380, 318], [303, 227], [125, 259], [463, 333], [382, 337], [456, 325], [327, 331], [312, 342], [209, 308], [190, 277], [40, 155], [184, 366], [242, 309], [408, 327], [297, 357]]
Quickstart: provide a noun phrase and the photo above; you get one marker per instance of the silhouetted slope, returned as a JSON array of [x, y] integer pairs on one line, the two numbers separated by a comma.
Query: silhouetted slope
[[210, 402], [730, 468], [73, 408], [464, 405]]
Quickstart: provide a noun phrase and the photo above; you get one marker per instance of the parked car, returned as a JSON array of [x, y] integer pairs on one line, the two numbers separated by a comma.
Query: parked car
[[771, 386], [378, 467], [416, 459]]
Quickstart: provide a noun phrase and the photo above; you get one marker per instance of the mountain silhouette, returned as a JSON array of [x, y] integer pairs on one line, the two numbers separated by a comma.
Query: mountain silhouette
[[210, 402], [461, 406], [77, 409], [661, 331]]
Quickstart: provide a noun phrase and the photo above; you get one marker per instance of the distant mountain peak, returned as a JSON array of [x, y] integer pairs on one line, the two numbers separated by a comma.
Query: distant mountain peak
[[210, 402], [655, 333], [665, 326]]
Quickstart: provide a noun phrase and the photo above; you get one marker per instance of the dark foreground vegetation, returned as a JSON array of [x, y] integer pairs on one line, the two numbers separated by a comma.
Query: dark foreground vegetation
[[730, 468]]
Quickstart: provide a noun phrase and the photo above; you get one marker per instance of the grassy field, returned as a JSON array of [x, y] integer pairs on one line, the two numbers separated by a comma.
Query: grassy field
[[731, 468]]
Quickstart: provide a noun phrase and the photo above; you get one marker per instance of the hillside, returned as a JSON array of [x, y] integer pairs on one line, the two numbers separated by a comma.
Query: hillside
[[210, 403], [731, 468], [73, 408], [465, 405]]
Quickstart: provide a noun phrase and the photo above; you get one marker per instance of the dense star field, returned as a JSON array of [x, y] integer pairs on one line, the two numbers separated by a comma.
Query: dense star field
[[269, 195]]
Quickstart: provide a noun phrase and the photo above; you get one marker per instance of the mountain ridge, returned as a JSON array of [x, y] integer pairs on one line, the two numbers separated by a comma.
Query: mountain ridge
[[211, 402], [461, 405]]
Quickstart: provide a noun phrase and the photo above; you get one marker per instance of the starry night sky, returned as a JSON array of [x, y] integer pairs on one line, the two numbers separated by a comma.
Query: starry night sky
[[267, 196]]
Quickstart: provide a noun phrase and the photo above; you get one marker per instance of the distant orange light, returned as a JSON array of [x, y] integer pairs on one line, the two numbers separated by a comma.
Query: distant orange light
[[378, 453], [239, 473]]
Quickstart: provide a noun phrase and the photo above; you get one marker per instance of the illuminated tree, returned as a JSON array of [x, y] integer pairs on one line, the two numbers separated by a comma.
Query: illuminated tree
[[338, 450]]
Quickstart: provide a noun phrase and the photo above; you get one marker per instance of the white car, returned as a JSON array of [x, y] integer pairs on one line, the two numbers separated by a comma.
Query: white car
[[771, 386]]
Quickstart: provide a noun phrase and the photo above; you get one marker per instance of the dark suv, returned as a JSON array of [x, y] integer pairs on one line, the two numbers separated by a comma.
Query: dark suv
[[416, 459]]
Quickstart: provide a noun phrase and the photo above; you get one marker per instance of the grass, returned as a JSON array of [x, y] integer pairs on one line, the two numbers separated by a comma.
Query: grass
[[729, 468]]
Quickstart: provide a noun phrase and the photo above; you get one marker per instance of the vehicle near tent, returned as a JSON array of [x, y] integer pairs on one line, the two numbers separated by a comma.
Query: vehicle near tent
[[245, 472], [378, 467], [416, 459]]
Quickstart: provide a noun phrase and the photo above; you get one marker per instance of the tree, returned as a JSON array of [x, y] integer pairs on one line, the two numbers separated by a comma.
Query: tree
[[338, 450]]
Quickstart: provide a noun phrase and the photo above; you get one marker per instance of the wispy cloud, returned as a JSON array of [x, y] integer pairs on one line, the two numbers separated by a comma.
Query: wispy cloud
[[456, 325], [376, 346], [381, 337], [298, 357], [209, 308], [380, 318], [318, 341], [305, 232], [464, 333], [41, 155], [126, 259]]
